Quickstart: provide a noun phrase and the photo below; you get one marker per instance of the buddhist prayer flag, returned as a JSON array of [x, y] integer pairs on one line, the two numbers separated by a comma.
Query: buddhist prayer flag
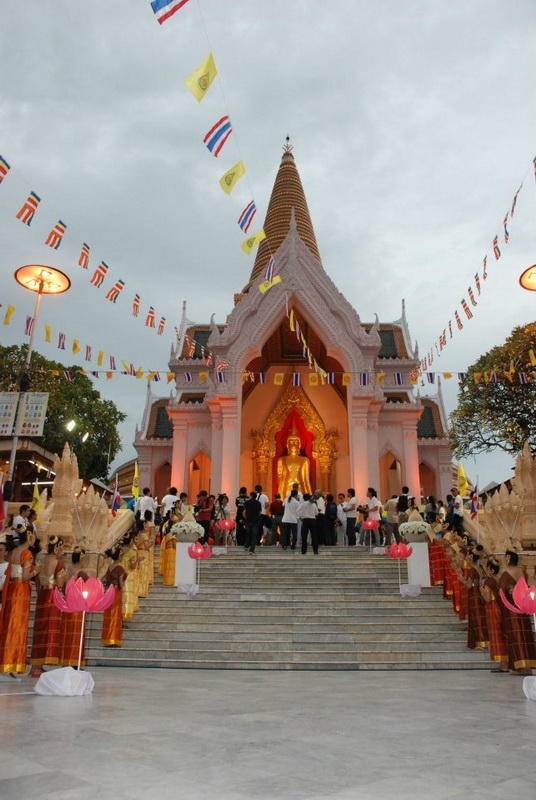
[[113, 293], [88, 352], [161, 326], [231, 177], [506, 234], [4, 168], [83, 261], [135, 489], [26, 213], [477, 282], [149, 319], [484, 267], [514, 201], [252, 241], [112, 363], [278, 378], [61, 341], [56, 235], [218, 135], [164, 9], [246, 217], [136, 305], [99, 274], [222, 365], [496, 251], [29, 326], [346, 378], [458, 321], [471, 296], [534, 163], [450, 328], [201, 79], [468, 312]]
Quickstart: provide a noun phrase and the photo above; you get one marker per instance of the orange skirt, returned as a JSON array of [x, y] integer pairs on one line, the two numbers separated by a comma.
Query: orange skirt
[[70, 630], [437, 564], [112, 622], [168, 567], [46, 632], [14, 632]]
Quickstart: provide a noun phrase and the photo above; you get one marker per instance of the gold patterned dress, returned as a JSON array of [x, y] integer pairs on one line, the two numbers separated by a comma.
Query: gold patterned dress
[[129, 562]]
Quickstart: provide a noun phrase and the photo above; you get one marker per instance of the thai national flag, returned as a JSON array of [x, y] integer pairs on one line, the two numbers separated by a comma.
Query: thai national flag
[[221, 377], [295, 378], [218, 135], [331, 378], [164, 9], [29, 326], [270, 269], [61, 341], [474, 503], [246, 217], [262, 377], [116, 499], [398, 379], [188, 377]]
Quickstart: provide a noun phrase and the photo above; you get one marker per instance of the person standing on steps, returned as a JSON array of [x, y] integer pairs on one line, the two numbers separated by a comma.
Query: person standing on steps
[[403, 505], [289, 523], [308, 512], [252, 515], [350, 509]]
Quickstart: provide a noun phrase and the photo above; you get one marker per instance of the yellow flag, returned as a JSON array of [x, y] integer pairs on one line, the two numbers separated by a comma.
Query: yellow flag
[[265, 285], [291, 320], [136, 482], [99, 358], [139, 374], [109, 376], [509, 376], [47, 333], [203, 377], [531, 352], [346, 378], [35, 501], [380, 376], [313, 379], [200, 80], [170, 376], [76, 346], [9, 312], [477, 376], [462, 480], [447, 374], [278, 378], [231, 177], [251, 242]]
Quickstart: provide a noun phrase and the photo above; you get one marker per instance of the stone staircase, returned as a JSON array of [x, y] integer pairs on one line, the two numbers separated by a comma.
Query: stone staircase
[[340, 610]]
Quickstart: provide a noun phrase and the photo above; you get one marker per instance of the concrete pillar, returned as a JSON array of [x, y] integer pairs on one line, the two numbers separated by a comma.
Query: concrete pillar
[[216, 438], [359, 456], [410, 466], [230, 470], [179, 465]]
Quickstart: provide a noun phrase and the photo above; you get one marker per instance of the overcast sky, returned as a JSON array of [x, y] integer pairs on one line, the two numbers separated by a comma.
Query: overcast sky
[[413, 123]]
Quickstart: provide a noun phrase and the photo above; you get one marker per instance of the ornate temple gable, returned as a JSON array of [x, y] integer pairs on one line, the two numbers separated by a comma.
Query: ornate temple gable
[[315, 295]]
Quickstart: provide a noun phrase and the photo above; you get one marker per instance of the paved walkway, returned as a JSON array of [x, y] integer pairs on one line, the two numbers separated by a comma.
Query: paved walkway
[[174, 735]]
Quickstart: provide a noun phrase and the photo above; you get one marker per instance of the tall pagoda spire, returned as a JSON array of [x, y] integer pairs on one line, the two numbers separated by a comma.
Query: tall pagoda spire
[[287, 194]]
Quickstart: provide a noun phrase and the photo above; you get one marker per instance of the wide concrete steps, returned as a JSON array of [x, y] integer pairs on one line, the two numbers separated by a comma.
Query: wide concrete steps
[[340, 610]]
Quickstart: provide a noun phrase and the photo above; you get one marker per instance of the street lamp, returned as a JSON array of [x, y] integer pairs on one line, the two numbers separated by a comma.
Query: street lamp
[[42, 280], [527, 279]]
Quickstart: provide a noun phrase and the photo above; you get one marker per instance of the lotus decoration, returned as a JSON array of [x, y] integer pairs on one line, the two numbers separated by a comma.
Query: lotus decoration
[[524, 597]]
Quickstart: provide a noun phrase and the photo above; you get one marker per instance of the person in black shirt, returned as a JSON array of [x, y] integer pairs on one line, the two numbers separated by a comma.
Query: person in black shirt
[[240, 521], [252, 515], [403, 504]]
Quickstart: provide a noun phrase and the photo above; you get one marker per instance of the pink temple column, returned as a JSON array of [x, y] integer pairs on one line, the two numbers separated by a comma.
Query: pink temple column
[[214, 405], [410, 467], [230, 475], [179, 473], [373, 446], [359, 453]]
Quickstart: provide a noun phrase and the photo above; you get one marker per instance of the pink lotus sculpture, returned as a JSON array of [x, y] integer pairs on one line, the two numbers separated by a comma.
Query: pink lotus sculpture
[[198, 550], [400, 550], [370, 524], [85, 596], [226, 524], [524, 597]]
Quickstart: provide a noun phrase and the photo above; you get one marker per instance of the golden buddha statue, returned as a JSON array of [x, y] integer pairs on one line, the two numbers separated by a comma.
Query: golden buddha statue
[[293, 468]]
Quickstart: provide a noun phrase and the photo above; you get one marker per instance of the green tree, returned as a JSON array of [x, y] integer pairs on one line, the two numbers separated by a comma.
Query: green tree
[[501, 414], [74, 398]]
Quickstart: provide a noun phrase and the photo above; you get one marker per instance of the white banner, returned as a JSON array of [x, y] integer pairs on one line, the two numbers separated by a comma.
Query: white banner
[[8, 411], [34, 413]]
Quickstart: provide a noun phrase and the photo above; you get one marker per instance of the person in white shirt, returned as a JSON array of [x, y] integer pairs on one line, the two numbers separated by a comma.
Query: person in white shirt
[[350, 509], [321, 518], [168, 501], [289, 523], [264, 500], [458, 512], [308, 511], [341, 514], [147, 503], [373, 508]]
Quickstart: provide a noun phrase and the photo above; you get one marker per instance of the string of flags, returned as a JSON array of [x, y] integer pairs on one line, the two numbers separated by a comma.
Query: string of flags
[[475, 289], [54, 239]]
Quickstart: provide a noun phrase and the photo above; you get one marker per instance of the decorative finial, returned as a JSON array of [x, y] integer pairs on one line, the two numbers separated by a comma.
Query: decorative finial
[[287, 148]]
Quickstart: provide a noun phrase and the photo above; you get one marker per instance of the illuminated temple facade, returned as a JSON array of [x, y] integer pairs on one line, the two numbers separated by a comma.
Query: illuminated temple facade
[[354, 429]]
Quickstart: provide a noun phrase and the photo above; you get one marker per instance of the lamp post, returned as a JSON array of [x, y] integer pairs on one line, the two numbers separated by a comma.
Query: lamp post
[[527, 279], [42, 280]]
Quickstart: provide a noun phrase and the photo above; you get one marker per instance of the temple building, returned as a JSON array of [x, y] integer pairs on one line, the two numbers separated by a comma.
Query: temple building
[[296, 387]]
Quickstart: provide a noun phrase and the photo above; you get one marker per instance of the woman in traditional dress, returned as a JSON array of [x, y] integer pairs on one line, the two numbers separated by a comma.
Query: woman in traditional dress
[[168, 559], [46, 630], [516, 627], [112, 619], [143, 545], [436, 553], [498, 646], [129, 562], [71, 624], [477, 627], [15, 613], [150, 529], [4, 564]]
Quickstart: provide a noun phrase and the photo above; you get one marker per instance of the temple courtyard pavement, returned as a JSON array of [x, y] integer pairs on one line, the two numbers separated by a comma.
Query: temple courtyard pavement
[[173, 734]]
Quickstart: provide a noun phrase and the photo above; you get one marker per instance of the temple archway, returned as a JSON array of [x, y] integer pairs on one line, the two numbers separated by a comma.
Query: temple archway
[[390, 476], [427, 479], [161, 479], [198, 475]]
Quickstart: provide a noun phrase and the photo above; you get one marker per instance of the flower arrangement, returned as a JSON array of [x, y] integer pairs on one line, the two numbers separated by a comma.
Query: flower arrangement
[[413, 531], [186, 529]]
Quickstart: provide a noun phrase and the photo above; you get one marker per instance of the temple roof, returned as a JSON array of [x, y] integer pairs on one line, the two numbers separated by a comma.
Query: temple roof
[[392, 338], [287, 194], [159, 426], [429, 425]]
